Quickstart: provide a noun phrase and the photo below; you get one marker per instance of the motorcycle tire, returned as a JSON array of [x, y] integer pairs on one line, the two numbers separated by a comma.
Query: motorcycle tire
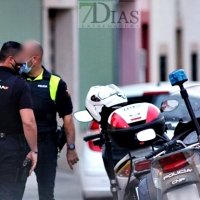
[[130, 193], [146, 189]]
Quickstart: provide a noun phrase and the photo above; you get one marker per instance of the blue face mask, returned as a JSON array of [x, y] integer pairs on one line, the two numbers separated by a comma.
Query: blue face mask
[[25, 68]]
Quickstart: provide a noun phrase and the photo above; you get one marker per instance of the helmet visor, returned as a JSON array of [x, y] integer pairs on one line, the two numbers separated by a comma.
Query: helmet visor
[[111, 90]]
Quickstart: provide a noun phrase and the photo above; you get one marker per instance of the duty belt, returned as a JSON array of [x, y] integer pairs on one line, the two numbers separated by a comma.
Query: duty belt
[[18, 137]]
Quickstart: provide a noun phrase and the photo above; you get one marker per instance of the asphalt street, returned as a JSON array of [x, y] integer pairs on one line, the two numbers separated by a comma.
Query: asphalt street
[[67, 185]]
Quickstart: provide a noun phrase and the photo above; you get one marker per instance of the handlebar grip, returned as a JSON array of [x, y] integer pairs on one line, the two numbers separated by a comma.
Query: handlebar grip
[[91, 137], [153, 153]]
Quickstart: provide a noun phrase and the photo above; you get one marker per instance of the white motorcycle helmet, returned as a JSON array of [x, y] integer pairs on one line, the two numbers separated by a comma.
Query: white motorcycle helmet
[[100, 96]]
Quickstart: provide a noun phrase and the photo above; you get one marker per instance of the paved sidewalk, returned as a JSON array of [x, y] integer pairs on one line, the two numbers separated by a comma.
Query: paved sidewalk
[[67, 187]]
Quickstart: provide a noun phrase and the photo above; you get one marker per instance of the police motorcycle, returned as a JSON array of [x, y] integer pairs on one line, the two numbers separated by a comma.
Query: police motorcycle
[[175, 169], [120, 124]]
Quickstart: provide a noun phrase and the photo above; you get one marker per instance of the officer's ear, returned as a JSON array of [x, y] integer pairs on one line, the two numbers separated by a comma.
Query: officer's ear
[[10, 60], [35, 59]]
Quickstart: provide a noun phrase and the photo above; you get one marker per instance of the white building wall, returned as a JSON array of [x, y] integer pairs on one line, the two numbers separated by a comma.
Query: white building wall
[[162, 36], [144, 5], [66, 45], [190, 23]]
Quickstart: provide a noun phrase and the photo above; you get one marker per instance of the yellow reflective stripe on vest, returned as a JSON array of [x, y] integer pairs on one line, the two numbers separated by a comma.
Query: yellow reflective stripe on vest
[[53, 86]]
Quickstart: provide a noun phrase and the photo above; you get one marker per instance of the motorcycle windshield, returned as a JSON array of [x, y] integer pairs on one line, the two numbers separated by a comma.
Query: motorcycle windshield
[[174, 108]]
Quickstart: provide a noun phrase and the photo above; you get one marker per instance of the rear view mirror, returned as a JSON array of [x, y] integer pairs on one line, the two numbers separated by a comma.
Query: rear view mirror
[[83, 116], [146, 135], [169, 105]]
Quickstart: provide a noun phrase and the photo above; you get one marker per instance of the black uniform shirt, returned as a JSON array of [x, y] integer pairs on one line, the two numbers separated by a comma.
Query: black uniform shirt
[[63, 98], [15, 95], [21, 94]]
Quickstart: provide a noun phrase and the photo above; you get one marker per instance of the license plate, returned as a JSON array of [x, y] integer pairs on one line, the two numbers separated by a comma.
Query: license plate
[[185, 193]]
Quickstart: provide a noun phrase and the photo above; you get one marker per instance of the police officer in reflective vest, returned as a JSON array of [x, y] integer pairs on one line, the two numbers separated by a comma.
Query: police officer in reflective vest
[[50, 95], [17, 124]]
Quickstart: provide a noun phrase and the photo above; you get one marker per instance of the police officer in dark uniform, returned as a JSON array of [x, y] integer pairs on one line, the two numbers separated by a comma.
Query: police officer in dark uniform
[[17, 124], [50, 95]]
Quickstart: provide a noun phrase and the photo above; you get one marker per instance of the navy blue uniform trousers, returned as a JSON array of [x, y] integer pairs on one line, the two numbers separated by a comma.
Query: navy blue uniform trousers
[[12, 155], [46, 169]]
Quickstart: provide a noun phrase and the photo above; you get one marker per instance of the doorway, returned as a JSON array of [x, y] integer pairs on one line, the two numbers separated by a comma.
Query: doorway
[[61, 46]]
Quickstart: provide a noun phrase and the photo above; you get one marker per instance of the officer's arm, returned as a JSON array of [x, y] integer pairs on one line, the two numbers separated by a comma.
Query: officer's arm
[[30, 132], [28, 120], [27, 115], [69, 128], [64, 107], [72, 157], [30, 128]]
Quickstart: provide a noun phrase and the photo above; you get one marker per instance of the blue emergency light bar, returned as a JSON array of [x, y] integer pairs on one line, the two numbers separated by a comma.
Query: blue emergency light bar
[[178, 77]]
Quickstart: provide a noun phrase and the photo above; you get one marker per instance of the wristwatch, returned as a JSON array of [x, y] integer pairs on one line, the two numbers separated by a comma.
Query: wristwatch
[[71, 146]]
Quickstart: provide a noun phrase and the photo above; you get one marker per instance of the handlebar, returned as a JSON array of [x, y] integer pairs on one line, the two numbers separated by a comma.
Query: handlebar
[[164, 147], [153, 153], [92, 137]]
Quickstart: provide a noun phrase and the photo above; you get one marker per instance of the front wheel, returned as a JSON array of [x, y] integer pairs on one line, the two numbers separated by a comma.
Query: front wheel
[[146, 188], [131, 195], [130, 192], [84, 198]]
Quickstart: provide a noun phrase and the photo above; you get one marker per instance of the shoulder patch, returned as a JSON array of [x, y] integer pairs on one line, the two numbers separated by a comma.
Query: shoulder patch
[[67, 91]]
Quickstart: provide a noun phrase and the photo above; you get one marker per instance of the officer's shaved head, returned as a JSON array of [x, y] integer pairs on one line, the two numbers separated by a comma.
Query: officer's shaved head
[[33, 47]]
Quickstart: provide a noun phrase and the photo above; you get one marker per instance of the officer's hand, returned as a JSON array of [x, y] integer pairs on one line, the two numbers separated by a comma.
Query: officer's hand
[[72, 158], [33, 157]]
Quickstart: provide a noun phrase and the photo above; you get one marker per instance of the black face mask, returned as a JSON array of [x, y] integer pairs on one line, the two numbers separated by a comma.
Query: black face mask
[[17, 66]]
